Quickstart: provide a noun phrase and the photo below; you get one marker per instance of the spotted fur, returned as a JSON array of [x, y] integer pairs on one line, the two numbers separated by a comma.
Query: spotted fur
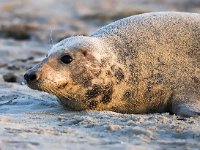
[[140, 64]]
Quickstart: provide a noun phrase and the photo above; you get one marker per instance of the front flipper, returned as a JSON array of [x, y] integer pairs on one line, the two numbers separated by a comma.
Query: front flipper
[[186, 110], [187, 105]]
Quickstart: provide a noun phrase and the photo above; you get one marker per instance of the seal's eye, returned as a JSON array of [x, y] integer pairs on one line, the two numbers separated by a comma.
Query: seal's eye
[[66, 59]]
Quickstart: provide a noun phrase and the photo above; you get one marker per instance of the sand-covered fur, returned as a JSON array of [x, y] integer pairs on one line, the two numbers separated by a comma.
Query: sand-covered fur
[[141, 64]]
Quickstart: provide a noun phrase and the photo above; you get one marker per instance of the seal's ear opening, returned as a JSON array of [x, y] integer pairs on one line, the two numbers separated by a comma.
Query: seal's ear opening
[[88, 55], [84, 52]]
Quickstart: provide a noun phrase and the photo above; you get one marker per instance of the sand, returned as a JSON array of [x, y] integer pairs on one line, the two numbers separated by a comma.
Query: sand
[[35, 120]]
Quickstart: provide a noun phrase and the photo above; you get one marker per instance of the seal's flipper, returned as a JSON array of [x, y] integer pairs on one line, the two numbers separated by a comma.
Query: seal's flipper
[[186, 109], [186, 105]]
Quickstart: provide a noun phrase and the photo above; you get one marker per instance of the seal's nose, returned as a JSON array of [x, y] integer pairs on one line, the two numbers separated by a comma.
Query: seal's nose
[[30, 76]]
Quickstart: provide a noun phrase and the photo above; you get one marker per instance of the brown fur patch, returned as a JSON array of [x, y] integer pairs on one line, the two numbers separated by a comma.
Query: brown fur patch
[[86, 81], [113, 67], [107, 94], [93, 104], [132, 67], [119, 74], [149, 93], [79, 75], [133, 74], [94, 92], [97, 73], [103, 63], [196, 80], [128, 94], [108, 73]]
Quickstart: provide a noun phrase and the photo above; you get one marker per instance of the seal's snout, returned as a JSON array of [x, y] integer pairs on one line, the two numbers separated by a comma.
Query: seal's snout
[[30, 76]]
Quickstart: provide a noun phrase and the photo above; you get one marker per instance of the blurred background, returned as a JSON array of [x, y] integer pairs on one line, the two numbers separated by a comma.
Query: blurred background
[[28, 28]]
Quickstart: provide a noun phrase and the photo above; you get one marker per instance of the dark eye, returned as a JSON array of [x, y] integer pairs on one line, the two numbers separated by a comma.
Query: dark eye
[[66, 59]]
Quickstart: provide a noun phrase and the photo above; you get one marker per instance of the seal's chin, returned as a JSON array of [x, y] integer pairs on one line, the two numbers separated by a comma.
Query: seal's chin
[[34, 86], [55, 89], [72, 103]]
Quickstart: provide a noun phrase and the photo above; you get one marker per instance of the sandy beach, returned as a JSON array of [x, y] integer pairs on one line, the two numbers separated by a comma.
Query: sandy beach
[[35, 120]]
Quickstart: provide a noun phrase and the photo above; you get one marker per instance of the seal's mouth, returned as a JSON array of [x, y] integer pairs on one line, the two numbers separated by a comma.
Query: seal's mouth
[[62, 85]]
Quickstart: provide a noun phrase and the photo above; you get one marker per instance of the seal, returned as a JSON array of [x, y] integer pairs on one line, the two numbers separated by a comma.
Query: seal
[[141, 64]]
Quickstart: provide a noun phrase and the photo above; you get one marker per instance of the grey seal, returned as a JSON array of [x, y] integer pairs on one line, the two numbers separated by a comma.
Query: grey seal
[[141, 64]]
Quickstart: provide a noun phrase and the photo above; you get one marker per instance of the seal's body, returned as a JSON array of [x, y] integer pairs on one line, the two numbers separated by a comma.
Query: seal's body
[[141, 64]]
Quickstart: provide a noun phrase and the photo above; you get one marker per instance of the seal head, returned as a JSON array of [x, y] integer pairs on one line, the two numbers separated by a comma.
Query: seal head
[[73, 72]]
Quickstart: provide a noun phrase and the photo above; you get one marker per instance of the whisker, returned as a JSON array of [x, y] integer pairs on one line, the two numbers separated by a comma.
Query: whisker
[[51, 42]]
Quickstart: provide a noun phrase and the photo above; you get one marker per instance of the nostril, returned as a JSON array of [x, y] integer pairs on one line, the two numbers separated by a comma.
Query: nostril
[[30, 76]]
